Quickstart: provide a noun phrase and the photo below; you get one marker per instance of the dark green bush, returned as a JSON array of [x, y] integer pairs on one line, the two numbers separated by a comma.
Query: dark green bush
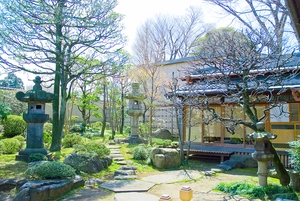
[[96, 126], [77, 128], [161, 142], [92, 147], [50, 170], [37, 157], [141, 152], [71, 139], [10, 146], [14, 125], [271, 192]]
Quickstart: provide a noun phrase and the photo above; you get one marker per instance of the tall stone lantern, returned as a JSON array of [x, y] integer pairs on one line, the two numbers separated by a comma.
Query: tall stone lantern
[[135, 110], [35, 119], [262, 152]]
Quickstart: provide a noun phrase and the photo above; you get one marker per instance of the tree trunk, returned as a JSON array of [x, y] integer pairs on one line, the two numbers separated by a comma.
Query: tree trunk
[[122, 112], [103, 112], [56, 132], [283, 175], [56, 138]]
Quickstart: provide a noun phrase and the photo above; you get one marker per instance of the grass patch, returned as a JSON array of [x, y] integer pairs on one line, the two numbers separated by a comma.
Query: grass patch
[[250, 190], [10, 168]]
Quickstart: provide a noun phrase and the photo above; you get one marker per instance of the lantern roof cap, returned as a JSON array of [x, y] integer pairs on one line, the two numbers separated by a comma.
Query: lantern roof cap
[[36, 94]]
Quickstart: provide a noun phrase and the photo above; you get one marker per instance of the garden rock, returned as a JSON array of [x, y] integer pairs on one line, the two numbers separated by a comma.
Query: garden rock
[[163, 134], [84, 162], [46, 189], [8, 184], [165, 157], [246, 160]]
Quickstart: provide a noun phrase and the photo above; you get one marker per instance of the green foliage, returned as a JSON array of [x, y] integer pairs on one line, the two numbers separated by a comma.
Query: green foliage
[[144, 128], [271, 191], [4, 112], [127, 130], [47, 138], [71, 139], [14, 125], [50, 170], [96, 126], [141, 152], [92, 147], [10, 100], [295, 154], [20, 138], [161, 142], [77, 128], [37, 157], [48, 127], [12, 81], [74, 119], [107, 125], [10, 146]]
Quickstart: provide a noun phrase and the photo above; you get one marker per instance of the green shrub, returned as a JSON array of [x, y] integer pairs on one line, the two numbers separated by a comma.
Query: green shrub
[[295, 154], [92, 147], [47, 137], [10, 146], [48, 127], [161, 142], [127, 130], [37, 157], [20, 138], [77, 128], [50, 170], [71, 139], [141, 152], [14, 125], [96, 126], [270, 192]]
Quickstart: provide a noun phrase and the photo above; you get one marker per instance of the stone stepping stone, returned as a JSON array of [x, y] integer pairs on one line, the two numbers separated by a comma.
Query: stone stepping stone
[[119, 186], [124, 172], [123, 162], [128, 168], [125, 177], [115, 151], [118, 159], [94, 181], [116, 155], [113, 146]]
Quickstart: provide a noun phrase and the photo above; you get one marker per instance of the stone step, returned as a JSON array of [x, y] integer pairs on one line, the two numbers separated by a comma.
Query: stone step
[[118, 159], [113, 146], [116, 155], [115, 151], [125, 177], [128, 168], [123, 162], [124, 172]]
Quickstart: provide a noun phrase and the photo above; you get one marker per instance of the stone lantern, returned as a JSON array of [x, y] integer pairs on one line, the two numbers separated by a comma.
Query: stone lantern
[[35, 119], [135, 110], [262, 152]]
